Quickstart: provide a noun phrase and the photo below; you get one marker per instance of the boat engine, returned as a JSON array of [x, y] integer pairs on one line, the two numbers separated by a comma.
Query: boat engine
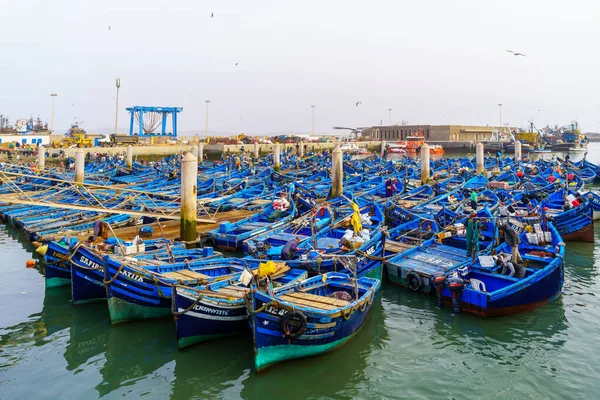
[[456, 286], [437, 282]]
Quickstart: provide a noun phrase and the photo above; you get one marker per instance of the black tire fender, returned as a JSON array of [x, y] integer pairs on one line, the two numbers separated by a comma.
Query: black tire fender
[[414, 281], [293, 324]]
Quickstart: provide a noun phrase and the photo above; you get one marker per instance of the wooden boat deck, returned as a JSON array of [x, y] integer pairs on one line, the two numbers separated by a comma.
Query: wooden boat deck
[[233, 291], [397, 247], [438, 257], [185, 275], [313, 300]]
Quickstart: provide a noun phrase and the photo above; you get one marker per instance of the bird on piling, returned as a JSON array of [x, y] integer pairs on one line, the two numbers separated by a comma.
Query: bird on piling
[[516, 53]]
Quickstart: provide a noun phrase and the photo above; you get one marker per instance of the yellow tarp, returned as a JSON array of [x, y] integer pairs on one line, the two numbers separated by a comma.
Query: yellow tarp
[[356, 224]]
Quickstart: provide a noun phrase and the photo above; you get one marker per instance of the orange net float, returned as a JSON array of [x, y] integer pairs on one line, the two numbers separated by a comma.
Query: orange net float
[[30, 263]]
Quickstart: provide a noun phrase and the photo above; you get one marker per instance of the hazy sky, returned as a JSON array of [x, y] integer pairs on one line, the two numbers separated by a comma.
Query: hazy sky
[[432, 62]]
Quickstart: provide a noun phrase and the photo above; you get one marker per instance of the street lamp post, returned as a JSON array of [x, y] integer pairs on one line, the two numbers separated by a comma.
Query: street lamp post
[[118, 84], [313, 119], [207, 101], [53, 95], [390, 110], [500, 107]]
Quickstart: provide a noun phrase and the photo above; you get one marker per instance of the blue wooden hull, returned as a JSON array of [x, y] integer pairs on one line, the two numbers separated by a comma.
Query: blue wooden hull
[[132, 296], [325, 331], [210, 318], [576, 224], [87, 277], [57, 266]]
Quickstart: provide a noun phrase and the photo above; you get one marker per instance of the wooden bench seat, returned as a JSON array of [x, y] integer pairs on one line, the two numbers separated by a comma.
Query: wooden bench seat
[[185, 275], [312, 300]]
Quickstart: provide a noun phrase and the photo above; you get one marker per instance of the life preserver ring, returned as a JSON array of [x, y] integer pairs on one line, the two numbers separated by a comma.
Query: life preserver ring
[[293, 324], [414, 281]]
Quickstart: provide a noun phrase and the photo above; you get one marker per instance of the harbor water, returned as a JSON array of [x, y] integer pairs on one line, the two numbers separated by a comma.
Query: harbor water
[[408, 348]]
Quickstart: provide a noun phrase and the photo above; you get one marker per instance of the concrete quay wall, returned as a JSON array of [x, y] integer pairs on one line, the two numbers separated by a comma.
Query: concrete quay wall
[[165, 150]]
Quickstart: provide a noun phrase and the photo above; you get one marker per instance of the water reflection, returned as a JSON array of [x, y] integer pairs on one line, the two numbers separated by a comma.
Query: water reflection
[[338, 374], [213, 369], [134, 351], [89, 332]]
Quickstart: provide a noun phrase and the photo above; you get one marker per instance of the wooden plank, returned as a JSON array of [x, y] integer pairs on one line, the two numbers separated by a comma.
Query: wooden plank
[[307, 303], [230, 292], [99, 209], [185, 275], [320, 299]]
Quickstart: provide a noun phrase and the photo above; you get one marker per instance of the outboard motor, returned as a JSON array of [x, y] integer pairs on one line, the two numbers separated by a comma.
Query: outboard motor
[[437, 282], [456, 286]]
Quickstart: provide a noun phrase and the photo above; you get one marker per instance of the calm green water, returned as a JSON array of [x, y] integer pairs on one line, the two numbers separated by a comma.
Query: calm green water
[[407, 348]]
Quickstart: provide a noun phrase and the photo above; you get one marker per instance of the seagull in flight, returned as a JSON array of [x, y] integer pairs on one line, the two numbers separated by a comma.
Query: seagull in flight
[[516, 54], [357, 103], [212, 15], [236, 63], [109, 28]]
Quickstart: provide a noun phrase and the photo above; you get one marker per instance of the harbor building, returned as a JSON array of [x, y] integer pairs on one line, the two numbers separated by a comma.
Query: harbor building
[[458, 133]]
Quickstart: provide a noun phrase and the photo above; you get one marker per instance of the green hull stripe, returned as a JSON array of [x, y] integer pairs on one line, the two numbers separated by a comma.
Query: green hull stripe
[[122, 311], [56, 282], [376, 272], [191, 340], [268, 356]]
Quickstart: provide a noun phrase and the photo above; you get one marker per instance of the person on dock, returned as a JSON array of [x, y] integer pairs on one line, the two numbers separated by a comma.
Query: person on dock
[[511, 267], [474, 200], [289, 250], [472, 235], [390, 187], [512, 239]]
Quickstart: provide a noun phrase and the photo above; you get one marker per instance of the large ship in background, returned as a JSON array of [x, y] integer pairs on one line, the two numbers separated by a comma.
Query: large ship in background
[[31, 132]]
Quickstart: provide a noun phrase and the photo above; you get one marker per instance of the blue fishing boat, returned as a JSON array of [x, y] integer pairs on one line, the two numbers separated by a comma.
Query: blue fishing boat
[[56, 261], [322, 253], [302, 228], [218, 309], [142, 290], [308, 318], [230, 236], [482, 290], [87, 271], [415, 267]]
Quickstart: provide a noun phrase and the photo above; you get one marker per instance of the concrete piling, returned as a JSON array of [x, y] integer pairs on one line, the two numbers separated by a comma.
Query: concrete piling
[[79, 166], [425, 167], [189, 198], [337, 172], [517, 151], [255, 151], [41, 158], [301, 149], [200, 155], [480, 162], [194, 151], [129, 156], [276, 163]]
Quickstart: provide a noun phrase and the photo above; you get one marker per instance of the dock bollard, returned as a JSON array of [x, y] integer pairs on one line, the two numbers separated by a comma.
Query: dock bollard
[[129, 157], [41, 158], [277, 165], [479, 164], [425, 167], [189, 199], [517, 151], [79, 166], [337, 172]]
